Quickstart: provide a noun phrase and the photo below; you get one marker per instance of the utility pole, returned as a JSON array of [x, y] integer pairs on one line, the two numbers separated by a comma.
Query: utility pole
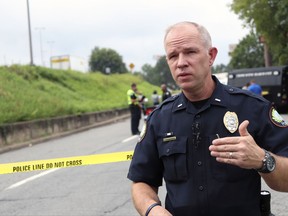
[[30, 35]]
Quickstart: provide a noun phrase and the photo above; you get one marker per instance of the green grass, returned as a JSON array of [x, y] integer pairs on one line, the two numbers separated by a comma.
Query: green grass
[[29, 93]]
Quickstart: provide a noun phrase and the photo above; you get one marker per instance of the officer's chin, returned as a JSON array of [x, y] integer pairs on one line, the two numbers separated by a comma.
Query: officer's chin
[[185, 86]]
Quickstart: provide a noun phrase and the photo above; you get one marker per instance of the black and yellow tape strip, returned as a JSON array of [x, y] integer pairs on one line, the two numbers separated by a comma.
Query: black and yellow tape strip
[[29, 166]]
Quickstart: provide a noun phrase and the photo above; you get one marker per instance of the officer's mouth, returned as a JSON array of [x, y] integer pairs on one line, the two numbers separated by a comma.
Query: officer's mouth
[[183, 76]]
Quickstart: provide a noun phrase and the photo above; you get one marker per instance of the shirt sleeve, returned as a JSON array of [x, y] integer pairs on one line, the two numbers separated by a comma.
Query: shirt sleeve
[[274, 134], [146, 165]]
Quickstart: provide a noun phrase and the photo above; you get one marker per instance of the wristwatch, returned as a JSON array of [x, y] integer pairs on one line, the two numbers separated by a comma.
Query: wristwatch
[[269, 163]]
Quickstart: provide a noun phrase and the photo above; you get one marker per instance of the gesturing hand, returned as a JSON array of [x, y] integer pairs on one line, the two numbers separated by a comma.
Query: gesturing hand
[[241, 151]]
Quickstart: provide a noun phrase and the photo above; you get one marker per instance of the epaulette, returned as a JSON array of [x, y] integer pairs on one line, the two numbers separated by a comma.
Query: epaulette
[[234, 90], [169, 100]]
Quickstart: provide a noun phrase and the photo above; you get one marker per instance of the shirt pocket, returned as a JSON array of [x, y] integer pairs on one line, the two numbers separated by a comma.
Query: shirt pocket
[[174, 157], [226, 172]]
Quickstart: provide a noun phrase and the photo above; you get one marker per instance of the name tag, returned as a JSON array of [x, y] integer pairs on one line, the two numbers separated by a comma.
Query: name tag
[[167, 139]]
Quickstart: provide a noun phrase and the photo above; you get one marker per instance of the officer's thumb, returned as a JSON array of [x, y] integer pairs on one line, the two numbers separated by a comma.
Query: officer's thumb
[[243, 128]]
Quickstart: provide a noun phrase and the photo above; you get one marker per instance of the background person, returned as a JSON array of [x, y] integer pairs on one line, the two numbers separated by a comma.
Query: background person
[[211, 143], [135, 108], [245, 87], [155, 98], [255, 88], [165, 92]]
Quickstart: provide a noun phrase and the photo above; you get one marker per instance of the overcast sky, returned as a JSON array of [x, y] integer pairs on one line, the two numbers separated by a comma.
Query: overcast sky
[[133, 28]]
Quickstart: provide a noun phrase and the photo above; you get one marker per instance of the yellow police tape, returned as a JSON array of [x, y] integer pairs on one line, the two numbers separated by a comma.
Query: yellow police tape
[[28, 166]]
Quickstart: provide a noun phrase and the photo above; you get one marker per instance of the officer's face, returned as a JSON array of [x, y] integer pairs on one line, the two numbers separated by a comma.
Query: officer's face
[[188, 58]]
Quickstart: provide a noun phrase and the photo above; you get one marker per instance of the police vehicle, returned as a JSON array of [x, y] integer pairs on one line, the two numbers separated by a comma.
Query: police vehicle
[[273, 80], [222, 77]]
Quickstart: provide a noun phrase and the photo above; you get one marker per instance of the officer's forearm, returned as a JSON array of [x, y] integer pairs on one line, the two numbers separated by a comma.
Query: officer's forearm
[[278, 179], [143, 196], [134, 100]]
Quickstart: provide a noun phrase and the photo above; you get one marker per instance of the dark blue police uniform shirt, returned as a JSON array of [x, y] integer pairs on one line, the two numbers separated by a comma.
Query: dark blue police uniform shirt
[[174, 146]]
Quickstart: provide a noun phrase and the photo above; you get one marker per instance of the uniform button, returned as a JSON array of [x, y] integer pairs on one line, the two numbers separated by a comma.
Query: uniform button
[[199, 163], [168, 150], [201, 188], [231, 89], [197, 116]]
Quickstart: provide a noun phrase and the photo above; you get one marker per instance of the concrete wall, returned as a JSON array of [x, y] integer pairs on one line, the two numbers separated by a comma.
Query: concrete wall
[[21, 134]]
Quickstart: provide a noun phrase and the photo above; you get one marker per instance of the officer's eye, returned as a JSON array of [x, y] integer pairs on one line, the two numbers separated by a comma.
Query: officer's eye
[[192, 51], [172, 56]]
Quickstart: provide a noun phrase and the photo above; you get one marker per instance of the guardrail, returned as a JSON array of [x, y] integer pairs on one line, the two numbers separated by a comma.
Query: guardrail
[[21, 134]]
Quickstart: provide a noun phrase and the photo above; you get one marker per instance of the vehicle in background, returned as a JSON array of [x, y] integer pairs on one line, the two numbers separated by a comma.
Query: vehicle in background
[[68, 62], [222, 77], [273, 80], [148, 110]]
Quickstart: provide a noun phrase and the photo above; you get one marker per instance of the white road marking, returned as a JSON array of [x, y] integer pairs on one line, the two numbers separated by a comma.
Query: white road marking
[[52, 170], [130, 138], [31, 178]]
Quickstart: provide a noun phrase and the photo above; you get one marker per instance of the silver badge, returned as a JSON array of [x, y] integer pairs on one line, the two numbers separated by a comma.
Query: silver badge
[[230, 121]]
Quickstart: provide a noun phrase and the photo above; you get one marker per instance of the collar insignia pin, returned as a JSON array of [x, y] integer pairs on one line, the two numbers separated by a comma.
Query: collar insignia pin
[[230, 121]]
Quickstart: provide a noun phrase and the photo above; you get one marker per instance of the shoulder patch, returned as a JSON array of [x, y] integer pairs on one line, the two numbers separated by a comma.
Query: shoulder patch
[[276, 118]]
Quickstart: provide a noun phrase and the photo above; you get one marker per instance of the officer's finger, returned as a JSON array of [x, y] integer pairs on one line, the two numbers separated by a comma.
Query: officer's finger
[[243, 128]]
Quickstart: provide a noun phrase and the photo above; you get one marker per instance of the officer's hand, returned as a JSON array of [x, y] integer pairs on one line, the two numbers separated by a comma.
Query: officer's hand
[[241, 151]]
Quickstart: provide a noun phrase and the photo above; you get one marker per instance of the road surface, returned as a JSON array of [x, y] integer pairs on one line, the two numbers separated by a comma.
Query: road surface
[[100, 190]]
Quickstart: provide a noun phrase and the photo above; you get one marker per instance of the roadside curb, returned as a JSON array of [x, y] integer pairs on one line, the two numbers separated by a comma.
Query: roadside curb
[[37, 140]]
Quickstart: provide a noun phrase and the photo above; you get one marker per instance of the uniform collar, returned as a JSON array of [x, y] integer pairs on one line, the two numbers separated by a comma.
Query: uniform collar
[[218, 98]]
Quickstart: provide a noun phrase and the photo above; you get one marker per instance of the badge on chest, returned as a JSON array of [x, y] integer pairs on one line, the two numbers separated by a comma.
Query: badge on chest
[[230, 121]]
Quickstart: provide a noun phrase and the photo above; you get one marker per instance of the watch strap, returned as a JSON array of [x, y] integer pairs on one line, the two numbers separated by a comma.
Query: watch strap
[[264, 168]]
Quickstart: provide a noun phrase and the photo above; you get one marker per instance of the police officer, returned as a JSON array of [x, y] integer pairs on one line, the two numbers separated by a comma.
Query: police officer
[[211, 143], [165, 92], [135, 108]]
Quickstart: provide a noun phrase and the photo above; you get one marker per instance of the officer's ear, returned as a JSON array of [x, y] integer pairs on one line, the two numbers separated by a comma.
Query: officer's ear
[[212, 53]]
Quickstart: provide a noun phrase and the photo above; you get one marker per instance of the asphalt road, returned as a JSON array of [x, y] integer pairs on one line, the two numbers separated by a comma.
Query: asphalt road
[[99, 190]]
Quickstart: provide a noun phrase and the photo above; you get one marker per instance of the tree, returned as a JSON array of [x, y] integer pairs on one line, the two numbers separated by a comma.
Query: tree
[[219, 68], [149, 74], [159, 74], [269, 19], [163, 70], [248, 53], [106, 61]]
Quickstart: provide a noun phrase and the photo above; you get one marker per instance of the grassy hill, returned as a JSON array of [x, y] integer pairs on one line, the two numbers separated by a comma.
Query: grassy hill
[[28, 93]]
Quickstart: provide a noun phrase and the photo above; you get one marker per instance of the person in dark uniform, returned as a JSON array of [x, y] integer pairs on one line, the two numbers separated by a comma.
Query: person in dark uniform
[[211, 143], [135, 108], [165, 92]]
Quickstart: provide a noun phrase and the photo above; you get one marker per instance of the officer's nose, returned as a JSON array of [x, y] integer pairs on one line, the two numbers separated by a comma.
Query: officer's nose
[[182, 61]]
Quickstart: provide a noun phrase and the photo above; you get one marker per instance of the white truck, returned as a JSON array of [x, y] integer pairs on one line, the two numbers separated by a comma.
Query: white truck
[[68, 62]]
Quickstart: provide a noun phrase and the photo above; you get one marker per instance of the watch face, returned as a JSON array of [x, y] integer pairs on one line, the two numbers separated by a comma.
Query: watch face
[[270, 163]]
